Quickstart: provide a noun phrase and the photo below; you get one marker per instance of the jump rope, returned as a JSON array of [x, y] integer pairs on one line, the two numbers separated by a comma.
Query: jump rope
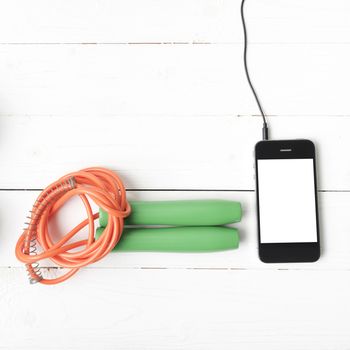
[[163, 226]]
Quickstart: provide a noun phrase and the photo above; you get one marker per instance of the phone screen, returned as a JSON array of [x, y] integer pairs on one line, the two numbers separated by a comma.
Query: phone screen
[[287, 201]]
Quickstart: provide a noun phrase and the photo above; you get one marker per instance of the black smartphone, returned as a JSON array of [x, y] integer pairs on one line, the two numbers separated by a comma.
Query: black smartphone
[[286, 191]]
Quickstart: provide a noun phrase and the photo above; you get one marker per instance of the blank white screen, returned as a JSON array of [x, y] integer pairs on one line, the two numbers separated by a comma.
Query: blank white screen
[[287, 200]]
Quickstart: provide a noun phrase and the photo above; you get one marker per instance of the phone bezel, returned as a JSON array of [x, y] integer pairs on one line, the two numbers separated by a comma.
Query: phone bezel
[[287, 252]]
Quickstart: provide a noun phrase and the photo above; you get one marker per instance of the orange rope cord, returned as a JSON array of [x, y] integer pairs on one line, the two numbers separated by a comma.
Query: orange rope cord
[[105, 189]]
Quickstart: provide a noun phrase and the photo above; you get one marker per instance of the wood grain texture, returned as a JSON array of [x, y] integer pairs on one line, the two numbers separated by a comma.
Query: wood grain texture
[[334, 233], [162, 152], [97, 80], [175, 309], [188, 21]]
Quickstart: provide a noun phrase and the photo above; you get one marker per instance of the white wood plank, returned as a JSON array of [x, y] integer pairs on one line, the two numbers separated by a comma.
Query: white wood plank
[[120, 79], [178, 309], [86, 21], [162, 152], [172, 79], [335, 239]]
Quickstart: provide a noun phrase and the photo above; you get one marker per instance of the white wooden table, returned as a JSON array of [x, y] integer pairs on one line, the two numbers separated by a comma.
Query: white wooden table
[[155, 89]]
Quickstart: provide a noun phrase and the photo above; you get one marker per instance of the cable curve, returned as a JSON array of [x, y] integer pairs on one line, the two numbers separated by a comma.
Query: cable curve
[[265, 126], [106, 190]]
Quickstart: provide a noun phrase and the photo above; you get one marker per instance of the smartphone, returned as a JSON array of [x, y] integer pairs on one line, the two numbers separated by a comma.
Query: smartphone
[[286, 190]]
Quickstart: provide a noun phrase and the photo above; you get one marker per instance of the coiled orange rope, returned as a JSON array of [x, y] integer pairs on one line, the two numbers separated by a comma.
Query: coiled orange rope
[[100, 185]]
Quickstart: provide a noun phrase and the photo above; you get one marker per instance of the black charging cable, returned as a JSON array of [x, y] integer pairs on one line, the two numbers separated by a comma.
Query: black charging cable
[[265, 130]]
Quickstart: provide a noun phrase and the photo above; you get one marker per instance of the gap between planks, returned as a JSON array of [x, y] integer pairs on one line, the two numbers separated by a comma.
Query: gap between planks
[[166, 190], [180, 268]]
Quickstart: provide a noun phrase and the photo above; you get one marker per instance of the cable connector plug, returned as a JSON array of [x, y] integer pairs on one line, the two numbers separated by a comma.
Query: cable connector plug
[[265, 132]]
